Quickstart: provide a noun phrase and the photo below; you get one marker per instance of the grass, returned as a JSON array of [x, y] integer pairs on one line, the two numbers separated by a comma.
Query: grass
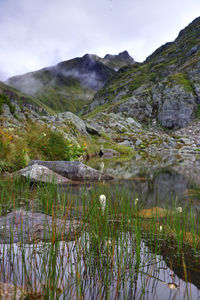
[[35, 141], [116, 251]]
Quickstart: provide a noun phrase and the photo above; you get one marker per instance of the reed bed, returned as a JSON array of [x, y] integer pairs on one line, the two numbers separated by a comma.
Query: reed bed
[[122, 250]]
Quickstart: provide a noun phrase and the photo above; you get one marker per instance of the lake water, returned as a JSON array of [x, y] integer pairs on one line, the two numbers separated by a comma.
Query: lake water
[[146, 275]]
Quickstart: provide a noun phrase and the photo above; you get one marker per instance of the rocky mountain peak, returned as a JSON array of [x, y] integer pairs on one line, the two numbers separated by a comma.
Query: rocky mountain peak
[[122, 59]]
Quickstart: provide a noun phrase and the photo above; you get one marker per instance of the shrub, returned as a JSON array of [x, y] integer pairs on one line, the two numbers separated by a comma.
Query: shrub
[[5, 100]]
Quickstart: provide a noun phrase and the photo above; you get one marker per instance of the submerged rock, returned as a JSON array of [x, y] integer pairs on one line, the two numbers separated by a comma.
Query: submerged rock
[[9, 291], [39, 173], [74, 170], [26, 226]]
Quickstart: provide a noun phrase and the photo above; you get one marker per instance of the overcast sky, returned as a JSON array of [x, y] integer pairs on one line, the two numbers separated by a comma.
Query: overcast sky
[[40, 33]]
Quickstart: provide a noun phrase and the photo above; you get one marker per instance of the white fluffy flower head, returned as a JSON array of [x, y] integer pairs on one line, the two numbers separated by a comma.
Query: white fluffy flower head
[[179, 209], [102, 200], [136, 201]]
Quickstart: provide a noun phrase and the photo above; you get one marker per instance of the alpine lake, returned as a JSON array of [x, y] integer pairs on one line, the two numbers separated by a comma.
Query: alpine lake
[[140, 241]]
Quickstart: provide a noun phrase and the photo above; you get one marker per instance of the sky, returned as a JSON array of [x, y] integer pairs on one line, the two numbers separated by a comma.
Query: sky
[[40, 33]]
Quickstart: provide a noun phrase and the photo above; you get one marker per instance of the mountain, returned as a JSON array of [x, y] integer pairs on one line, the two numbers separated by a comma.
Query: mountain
[[118, 61], [70, 84], [164, 89], [13, 96]]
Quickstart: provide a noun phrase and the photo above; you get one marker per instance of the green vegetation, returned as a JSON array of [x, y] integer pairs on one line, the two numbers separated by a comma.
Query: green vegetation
[[182, 79], [35, 142], [23, 99], [69, 96], [5, 100], [118, 247]]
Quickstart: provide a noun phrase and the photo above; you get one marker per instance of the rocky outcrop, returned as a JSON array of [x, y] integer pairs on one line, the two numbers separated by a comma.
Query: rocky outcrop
[[165, 88], [175, 105], [118, 61], [27, 227], [41, 174], [113, 124], [74, 170], [68, 119]]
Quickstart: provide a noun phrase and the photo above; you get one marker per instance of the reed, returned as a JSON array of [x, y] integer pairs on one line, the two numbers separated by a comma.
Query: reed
[[117, 253]]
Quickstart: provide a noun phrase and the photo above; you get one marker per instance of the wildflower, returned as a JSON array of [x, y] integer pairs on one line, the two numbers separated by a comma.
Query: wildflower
[[102, 200], [179, 209], [109, 242], [136, 201], [172, 286], [101, 166], [44, 134], [101, 169], [160, 228]]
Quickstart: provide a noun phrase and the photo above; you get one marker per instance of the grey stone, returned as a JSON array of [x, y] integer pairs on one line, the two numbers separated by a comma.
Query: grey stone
[[126, 143], [138, 142], [27, 227], [176, 107], [133, 122], [39, 173], [186, 141], [74, 170], [108, 153]]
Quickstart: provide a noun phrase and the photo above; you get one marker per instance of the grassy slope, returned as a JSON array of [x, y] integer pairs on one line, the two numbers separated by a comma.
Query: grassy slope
[[22, 98]]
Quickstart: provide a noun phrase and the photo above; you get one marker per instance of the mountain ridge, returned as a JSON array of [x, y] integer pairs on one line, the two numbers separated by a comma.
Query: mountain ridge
[[70, 84], [165, 88]]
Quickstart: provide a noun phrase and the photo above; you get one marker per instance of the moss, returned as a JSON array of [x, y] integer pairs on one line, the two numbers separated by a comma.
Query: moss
[[182, 79], [5, 100], [97, 110]]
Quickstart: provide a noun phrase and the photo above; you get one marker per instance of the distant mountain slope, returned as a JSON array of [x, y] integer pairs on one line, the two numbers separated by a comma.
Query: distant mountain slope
[[165, 88], [22, 99], [70, 84]]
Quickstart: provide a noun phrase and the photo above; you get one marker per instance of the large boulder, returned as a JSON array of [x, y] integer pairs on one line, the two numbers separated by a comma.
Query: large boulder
[[74, 170], [38, 173], [26, 226]]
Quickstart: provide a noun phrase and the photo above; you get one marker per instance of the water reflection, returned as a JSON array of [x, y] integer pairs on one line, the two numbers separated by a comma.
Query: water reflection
[[128, 275]]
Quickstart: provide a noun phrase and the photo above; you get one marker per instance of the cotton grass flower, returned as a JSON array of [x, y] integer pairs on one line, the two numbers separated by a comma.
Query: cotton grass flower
[[101, 169], [136, 201], [172, 286], [179, 209], [102, 200]]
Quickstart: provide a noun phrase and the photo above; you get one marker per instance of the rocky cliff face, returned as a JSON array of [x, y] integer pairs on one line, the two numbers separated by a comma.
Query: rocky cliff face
[[70, 84], [118, 61], [165, 88]]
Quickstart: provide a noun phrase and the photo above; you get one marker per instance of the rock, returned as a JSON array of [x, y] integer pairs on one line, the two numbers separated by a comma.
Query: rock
[[39, 173], [27, 227], [126, 143], [9, 292], [171, 142], [69, 119], [108, 153], [155, 212], [74, 170], [90, 129], [133, 122], [138, 142], [186, 141], [176, 105]]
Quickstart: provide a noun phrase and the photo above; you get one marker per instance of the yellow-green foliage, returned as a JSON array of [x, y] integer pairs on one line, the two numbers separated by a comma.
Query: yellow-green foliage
[[35, 142], [5, 100], [181, 78]]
